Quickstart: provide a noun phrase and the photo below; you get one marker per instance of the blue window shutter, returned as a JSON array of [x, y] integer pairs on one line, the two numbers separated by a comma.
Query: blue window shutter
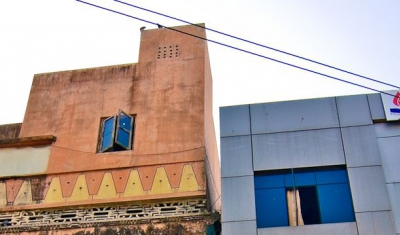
[[269, 181], [124, 130], [332, 176], [271, 207], [107, 136], [335, 203]]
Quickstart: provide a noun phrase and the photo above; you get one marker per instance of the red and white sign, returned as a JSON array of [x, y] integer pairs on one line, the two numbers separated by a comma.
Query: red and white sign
[[391, 105]]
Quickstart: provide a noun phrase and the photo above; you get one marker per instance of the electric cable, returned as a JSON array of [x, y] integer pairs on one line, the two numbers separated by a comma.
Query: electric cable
[[236, 48], [258, 44]]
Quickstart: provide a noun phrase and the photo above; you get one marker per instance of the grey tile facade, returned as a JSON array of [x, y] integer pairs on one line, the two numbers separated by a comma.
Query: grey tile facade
[[368, 189], [297, 149], [353, 110], [239, 193], [239, 160], [360, 146], [348, 131], [293, 116]]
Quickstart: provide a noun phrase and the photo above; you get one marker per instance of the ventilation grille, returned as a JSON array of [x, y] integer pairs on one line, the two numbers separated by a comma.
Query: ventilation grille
[[168, 52], [84, 217]]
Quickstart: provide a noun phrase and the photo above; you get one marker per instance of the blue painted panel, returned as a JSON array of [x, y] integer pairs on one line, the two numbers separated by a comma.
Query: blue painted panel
[[269, 181], [125, 122], [108, 134], [123, 138], [332, 176], [304, 178], [271, 208], [335, 203]]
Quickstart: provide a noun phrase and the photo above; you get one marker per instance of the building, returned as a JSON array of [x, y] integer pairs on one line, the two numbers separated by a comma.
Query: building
[[128, 147], [318, 166]]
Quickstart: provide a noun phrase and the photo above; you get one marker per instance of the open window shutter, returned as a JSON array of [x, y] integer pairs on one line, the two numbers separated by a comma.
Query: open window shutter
[[124, 130], [108, 133]]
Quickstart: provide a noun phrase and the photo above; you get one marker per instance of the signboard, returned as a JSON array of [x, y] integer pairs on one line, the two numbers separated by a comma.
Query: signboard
[[391, 104]]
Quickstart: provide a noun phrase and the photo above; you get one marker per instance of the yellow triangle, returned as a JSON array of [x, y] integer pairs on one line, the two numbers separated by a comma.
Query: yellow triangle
[[54, 193], [3, 194], [24, 196], [80, 191], [134, 186], [107, 188], [161, 183], [188, 180]]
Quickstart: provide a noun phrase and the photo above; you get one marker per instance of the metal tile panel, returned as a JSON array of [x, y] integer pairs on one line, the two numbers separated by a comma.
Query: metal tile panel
[[376, 106], [238, 199], [390, 149], [297, 149], [293, 115], [387, 129], [373, 223], [236, 157], [234, 120], [242, 227], [368, 189], [353, 110], [394, 192], [360, 146], [325, 229]]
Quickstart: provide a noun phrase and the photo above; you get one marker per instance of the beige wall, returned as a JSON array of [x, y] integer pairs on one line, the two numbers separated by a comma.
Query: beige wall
[[23, 161]]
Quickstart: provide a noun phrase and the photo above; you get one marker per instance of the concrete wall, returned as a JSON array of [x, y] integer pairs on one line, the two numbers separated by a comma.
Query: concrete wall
[[174, 151], [311, 133]]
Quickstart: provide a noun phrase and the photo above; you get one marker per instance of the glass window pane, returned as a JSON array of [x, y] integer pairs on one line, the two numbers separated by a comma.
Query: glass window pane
[[125, 121], [309, 205], [300, 179], [271, 207], [268, 181], [335, 203], [332, 176], [123, 138], [108, 134]]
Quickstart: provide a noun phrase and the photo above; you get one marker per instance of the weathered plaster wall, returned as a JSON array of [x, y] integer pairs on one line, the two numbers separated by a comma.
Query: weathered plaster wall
[[10, 131], [166, 95], [212, 160], [168, 91], [95, 187], [165, 228]]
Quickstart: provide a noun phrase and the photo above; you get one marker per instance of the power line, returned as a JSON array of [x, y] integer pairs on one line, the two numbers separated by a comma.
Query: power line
[[236, 48], [258, 44]]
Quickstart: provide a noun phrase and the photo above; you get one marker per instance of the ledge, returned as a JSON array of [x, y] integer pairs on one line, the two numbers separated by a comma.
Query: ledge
[[28, 141]]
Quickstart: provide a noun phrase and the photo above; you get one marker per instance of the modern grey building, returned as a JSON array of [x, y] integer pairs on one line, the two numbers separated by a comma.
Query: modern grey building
[[319, 166]]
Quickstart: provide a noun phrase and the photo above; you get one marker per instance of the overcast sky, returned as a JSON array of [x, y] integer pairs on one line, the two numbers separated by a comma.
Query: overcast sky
[[361, 36]]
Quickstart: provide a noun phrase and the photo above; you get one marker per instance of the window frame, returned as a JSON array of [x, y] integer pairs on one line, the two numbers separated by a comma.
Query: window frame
[[130, 131], [271, 189], [116, 129]]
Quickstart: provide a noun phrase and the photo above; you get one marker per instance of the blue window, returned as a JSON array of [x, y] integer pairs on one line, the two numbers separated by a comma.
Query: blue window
[[116, 133], [300, 196]]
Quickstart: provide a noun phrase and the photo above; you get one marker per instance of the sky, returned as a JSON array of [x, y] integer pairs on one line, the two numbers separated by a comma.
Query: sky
[[361, 36]]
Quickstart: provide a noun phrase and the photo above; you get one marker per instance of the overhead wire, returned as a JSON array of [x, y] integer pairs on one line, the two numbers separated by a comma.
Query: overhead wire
[[258, 44], [235, 48]]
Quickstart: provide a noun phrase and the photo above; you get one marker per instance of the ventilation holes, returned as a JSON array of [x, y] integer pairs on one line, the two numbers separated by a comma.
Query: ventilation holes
[[168, 52]]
